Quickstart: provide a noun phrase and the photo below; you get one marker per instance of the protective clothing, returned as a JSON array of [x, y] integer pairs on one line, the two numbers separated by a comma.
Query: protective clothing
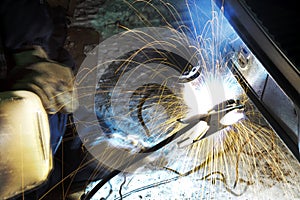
[[51, 81], [29, 28], [25, 156]]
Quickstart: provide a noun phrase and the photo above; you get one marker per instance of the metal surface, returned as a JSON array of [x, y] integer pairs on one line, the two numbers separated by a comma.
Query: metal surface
[[261, 43], [272, 81], [266, 94]]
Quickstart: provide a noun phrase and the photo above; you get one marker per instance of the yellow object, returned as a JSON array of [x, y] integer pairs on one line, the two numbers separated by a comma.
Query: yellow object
[[25, 154]]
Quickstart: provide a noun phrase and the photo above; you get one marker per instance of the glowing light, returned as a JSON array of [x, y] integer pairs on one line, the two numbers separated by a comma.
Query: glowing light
[[197, 132], [232, 117]]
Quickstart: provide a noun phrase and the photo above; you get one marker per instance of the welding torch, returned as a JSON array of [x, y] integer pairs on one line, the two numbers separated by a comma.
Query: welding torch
[[211, 122]]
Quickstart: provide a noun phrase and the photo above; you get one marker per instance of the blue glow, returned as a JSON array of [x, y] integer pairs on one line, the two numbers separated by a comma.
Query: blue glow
[[211, 33], [207, 20]]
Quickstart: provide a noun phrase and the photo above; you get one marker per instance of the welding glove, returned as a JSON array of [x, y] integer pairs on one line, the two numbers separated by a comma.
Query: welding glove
[[51, 81]]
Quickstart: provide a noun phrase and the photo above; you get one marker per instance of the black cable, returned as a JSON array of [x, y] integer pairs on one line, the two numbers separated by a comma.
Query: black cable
[[137, 158], [206, 177], [121, 186], [150, 186], [109, 193]]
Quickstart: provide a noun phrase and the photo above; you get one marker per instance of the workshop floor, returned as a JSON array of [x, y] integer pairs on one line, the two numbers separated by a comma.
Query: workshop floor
[[253, 165]]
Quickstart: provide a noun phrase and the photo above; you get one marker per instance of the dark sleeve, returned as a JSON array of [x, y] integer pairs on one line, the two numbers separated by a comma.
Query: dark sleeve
[[23, 23]]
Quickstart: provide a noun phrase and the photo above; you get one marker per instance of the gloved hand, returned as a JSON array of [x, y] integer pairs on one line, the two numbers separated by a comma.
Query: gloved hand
[[51, 81]]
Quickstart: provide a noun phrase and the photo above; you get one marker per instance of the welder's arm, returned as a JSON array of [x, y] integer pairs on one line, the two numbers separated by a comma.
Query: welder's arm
[[51, 81]]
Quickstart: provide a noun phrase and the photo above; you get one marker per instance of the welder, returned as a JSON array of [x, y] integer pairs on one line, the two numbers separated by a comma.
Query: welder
[[33, 59]]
